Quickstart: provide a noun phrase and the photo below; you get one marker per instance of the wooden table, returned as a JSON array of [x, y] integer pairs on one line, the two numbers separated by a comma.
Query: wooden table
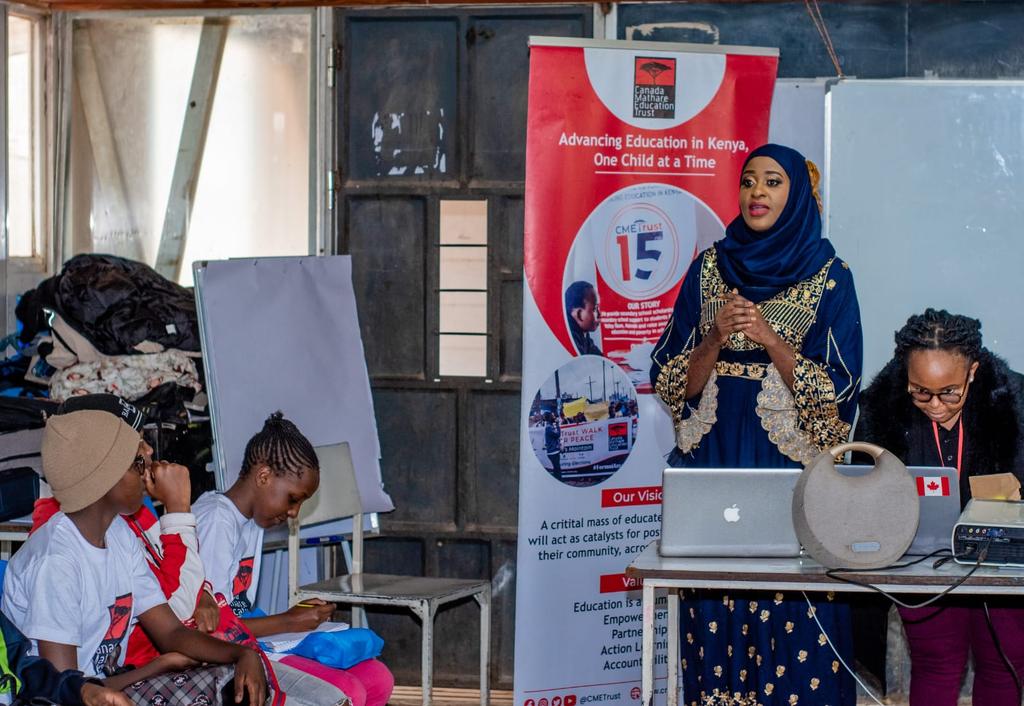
[[794, 574]]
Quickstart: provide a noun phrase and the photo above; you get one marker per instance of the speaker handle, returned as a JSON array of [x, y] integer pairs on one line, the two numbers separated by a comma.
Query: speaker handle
[[862, 446]]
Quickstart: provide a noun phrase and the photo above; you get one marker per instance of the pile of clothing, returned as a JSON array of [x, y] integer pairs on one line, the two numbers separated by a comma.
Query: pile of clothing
[[105, 324], [115, 326]]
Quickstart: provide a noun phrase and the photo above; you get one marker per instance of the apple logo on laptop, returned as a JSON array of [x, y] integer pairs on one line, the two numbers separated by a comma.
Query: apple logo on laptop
[[731, 514]]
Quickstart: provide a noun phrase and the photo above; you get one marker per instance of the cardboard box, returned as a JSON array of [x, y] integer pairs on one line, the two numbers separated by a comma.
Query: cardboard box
[[997, 486]]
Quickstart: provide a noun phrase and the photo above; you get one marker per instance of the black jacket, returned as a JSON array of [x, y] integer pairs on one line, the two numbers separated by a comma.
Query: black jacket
[[115, 303], [993, 417]]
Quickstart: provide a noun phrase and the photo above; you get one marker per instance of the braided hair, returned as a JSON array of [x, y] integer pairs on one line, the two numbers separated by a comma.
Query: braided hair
[[937, 329], [281, 446]]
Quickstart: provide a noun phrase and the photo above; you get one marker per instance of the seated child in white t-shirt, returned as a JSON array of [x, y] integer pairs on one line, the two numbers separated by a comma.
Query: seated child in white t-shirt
[[280, 471], [169, 541], [79, 581]]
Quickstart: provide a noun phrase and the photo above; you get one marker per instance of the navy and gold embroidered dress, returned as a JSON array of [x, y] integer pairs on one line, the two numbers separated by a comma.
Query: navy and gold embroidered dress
[[746, 649]]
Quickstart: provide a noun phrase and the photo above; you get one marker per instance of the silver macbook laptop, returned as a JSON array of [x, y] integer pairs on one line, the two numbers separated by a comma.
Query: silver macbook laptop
[[728, 512], [938, 490]]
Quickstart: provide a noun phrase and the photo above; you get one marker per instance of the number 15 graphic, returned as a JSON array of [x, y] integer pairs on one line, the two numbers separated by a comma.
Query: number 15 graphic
[[643, 252]]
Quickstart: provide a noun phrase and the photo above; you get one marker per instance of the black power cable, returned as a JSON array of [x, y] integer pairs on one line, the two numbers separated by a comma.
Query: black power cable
[[1002, 654], [982, 554]]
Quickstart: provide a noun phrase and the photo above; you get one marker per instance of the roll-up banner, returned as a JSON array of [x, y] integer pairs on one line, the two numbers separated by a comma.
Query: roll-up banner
[[633, 154]]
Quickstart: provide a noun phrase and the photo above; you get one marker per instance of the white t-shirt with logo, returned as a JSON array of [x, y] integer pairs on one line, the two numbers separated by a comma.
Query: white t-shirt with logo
[[60, 588], [231, 547]]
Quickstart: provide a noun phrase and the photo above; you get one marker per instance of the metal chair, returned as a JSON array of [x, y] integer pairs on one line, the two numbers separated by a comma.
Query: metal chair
[[338, 496]]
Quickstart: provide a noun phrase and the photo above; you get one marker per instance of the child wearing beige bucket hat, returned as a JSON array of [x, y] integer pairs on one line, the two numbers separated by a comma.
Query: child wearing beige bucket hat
[[168, 538], [76, 584]]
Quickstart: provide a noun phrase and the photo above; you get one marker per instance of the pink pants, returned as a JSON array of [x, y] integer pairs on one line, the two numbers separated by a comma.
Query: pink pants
[[368, 683], [940, 638]]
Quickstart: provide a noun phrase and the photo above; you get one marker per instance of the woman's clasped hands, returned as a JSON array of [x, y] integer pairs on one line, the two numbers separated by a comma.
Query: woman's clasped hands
[[742, 316]]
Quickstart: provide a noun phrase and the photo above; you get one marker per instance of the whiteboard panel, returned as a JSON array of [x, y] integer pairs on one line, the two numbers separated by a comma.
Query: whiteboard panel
[[925, 179]]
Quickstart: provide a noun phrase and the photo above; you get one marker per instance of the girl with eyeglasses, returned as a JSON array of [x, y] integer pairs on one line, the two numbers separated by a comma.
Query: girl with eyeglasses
[[946, 400]]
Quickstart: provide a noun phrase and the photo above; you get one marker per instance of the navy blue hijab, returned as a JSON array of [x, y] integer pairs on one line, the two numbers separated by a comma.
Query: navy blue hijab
[[762, 264]]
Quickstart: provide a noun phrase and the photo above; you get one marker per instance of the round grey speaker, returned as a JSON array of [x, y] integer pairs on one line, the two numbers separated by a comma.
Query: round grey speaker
[[855, 522]]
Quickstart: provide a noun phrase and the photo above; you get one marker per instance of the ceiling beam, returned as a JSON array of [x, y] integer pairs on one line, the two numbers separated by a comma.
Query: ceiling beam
[[201, 5]]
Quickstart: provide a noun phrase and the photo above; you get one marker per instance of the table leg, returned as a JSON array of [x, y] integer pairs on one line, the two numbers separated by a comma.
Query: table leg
[[647, 657], [426, 613], [672, 684], [484, 600]]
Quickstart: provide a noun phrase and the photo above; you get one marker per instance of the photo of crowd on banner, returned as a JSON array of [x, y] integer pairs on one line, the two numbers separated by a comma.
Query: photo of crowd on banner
[[583, 421]]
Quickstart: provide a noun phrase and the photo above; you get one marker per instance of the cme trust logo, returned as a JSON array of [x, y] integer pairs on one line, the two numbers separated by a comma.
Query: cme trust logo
[[641, 251], [647, 234], [654, 87]]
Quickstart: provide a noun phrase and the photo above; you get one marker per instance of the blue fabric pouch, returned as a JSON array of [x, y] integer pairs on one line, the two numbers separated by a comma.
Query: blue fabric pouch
[[341, 649]]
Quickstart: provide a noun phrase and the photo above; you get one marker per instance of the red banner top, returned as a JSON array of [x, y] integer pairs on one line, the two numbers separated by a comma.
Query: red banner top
[[632, 162]]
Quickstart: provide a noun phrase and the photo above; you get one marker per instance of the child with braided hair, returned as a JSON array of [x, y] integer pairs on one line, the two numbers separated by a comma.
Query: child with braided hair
[[280, 471], [945, 399]]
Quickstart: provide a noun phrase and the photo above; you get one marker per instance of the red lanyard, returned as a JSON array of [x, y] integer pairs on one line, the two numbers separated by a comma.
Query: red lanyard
[[959, 445]]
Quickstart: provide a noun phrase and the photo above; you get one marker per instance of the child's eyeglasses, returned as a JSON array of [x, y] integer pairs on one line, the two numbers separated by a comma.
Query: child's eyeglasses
[[139, 464]]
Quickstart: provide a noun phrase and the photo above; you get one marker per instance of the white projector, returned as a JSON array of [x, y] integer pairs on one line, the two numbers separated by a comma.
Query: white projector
[[996, 524]]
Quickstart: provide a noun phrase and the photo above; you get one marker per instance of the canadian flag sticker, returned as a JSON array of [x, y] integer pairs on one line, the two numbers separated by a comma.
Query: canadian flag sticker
[[932, 485]]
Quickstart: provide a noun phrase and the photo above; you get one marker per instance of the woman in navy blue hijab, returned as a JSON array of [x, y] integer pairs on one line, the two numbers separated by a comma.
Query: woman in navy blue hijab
[[760, 367]]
